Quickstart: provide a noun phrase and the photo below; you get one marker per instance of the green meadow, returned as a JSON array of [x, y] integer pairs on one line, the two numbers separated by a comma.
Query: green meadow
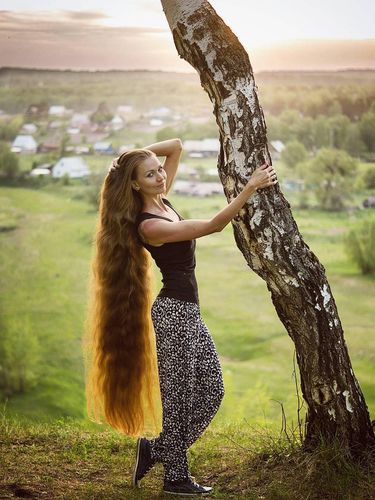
[[46, 243]]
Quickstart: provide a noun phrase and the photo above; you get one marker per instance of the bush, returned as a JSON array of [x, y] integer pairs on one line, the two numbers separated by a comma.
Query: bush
[[333, 173], [360, 245], [369, 178], [19, 358], [95, 186], [65, 180], [294, 153], [9, 166], [367, 129]]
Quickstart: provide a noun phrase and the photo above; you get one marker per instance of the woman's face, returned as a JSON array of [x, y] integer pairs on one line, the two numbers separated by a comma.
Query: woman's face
[[150, 177]]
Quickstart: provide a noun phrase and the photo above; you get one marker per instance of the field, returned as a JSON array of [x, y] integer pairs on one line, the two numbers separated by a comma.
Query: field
[[46, 246], [46, 242]]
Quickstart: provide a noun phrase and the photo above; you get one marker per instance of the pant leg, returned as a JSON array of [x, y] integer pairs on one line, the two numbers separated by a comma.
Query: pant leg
[[175, 324], [208, 390]]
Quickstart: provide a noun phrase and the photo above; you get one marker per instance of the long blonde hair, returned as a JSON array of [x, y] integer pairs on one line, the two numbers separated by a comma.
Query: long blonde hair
[[121, 369]]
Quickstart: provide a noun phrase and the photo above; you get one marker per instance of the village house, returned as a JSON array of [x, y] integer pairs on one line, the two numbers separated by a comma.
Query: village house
[[59, 111], [202, 189], [51, 143], [72, 166], [160, 112], [103, 148], [37, 111], [82, 150], [55, 124], [79, 120], [124, 109], [125, 147], [156, 122], [24, 144], [29, 128], [40, 172], [205, 148], [75, 136], [276, 148], [117, 123]]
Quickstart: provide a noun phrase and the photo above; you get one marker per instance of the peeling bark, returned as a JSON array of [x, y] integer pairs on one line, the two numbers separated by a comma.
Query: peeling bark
[[266, 232]]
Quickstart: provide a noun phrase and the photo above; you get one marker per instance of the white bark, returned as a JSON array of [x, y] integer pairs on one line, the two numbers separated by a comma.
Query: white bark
[[266, 232]]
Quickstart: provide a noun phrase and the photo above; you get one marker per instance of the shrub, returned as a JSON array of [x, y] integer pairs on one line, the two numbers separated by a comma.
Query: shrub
[[93, 191], [369, 178], [360, 245], [9, 166], [294, 153], [19, 358], [333, 173]]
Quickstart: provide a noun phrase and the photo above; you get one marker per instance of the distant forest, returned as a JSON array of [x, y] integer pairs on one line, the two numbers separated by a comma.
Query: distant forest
[[313, 94]]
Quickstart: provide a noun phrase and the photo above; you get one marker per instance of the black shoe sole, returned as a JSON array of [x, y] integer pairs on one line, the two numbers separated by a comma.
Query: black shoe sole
[[188, 494], [134, 481]]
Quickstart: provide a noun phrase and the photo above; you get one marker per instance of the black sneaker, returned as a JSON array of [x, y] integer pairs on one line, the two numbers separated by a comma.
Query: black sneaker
[[143, 461], [186, 487]]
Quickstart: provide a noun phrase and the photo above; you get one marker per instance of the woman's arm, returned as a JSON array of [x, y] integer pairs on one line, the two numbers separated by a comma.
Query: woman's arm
[[157, 231], [172, 150]]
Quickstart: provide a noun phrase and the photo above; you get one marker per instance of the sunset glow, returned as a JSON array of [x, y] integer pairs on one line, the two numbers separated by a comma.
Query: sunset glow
[[90, 35]]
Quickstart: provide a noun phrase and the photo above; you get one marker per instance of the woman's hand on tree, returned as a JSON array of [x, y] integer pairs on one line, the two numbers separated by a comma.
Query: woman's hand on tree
[[263, 176]]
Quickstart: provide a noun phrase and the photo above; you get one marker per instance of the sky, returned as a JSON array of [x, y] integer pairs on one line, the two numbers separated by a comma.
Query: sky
[[134, 34]]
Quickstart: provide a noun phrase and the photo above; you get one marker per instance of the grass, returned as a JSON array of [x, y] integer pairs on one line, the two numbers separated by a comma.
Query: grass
[[44, 276], [67, 460]]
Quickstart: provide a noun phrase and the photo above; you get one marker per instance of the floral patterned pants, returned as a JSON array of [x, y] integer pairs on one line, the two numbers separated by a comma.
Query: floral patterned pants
[[191, 381]]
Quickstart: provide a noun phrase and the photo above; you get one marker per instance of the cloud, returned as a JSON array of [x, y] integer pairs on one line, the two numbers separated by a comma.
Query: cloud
[[84, 40], [78, 40], [84, 15], [61, 21]]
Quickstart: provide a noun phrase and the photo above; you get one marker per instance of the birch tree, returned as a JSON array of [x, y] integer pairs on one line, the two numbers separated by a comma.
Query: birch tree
[[266, 233]]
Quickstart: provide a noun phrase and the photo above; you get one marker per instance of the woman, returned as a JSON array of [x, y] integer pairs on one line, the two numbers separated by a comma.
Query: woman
[[135, 220]]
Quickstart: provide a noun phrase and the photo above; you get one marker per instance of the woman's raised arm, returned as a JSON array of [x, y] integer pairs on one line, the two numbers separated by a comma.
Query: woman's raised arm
[[157, 231], [171, 149]]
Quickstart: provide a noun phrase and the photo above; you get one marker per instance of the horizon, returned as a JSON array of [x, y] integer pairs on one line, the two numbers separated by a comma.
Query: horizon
[[192, 72]]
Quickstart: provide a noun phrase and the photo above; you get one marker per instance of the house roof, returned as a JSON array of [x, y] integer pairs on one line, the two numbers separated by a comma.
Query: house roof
[[203, 145], [72, 163], [102, 145], [117, 119], [30, 128], [57, 110], [79, 119], [278, 145], [24, 142], [40, 171]]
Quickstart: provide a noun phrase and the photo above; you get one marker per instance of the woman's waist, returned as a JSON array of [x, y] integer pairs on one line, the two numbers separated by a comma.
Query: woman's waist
[[178, 273], [181, 285]]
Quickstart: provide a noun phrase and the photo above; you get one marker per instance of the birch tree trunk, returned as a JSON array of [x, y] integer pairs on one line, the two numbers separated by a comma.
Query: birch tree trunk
[[266, 232]]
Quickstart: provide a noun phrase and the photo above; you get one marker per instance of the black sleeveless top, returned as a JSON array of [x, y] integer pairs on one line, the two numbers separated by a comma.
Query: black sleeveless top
[[176, 262]]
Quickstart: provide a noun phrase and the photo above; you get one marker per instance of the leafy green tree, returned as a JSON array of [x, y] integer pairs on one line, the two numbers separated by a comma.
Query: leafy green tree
[[360, 245], [93, 191], [321, 133], [289, 125], [102, 114], [338, 126], [19, 357], [293, 153], [369, 178], [367, 128], [166, 133], [333, 172], [63, 144], [354, 144], [9, 130], [9, 166]]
